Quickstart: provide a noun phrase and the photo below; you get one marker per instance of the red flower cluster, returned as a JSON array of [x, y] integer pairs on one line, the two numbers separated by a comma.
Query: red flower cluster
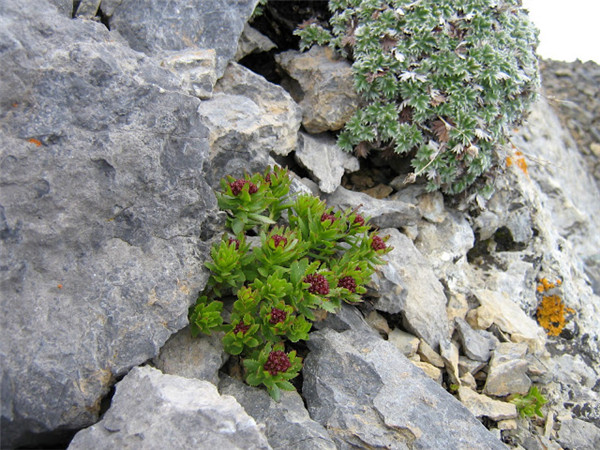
[[348, 283], [237, 185], [278, 362], [241, 327], [278, 239], [378, 243], [326, 216], [359, 220], [318, 284], [277, 316]]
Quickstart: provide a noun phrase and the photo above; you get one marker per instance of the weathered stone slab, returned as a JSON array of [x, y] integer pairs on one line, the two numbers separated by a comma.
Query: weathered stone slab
[[286, 424], [103, 208], [323, 86], [483, 406], [200, 357], [508, 370], [152, 26], [327, 163], [407, 285], [368, 395], [152, 410], [382, 213]]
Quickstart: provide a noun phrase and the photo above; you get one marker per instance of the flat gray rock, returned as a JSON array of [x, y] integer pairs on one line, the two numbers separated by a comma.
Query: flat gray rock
[[383, 213], [154, 411], [368, 395], [152, 26], [286, 423], [104, 210], [327, 163], [407, 285]]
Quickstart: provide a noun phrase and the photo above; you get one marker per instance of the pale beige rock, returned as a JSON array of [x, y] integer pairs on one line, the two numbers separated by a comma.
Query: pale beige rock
[[507, 424], [196, 69], [431, 371], [252, 41], [430, 355], [483, 406], [468, 380], [497, 308], [449, 353], [405, 342], [457, 306], [378, 322], [326, 91], [508, 370]]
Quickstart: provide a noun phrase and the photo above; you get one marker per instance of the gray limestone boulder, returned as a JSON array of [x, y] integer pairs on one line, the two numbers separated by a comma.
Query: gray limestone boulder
[[369, 395], [286, 423], [507, 373], [327, 163], [252, 41], [323, 85], [407, 285], [247, 118], [151, 410], [104, 214], [192, 357], [382, 213], [153, 26], [578, 434]]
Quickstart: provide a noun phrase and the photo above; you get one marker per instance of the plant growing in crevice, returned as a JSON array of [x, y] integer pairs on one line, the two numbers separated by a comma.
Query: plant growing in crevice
[[443, 80], [309, 257], [530, 404]]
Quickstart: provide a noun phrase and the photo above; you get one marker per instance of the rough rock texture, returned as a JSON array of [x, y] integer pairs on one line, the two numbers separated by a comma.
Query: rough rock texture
[[382, 213], [286, 424], [153, 26], [322, 85], [367, 394], [324, 160], [252, 41], [483, 406], [475, 344], [508, 371], [573, 91], [103, 204], [247, 118], [407, 285], [151, 410], [196, 70], [580, 435], [200, 357]]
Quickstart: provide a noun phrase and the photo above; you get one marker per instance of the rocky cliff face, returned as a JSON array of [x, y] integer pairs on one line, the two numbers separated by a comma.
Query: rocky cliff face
[[112, 141]]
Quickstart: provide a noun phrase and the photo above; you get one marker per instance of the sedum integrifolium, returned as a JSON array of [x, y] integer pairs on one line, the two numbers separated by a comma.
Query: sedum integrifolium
[[316, 259]]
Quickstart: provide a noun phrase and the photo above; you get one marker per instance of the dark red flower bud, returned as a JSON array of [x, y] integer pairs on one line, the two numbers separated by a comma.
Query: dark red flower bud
[[277, 362], [277, 316], [241, 326], [237, 185], [318, 284], [348, 283], [378, 244], [237, 243], [360, 220], [278, 239], [326, 216]]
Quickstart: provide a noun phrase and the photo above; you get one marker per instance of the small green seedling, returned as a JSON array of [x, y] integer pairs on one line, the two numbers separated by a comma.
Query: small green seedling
[[529, 404]]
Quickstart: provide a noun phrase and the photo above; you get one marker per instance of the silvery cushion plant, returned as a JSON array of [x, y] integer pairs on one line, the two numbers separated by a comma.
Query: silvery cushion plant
[[309, 257], [443, 81]]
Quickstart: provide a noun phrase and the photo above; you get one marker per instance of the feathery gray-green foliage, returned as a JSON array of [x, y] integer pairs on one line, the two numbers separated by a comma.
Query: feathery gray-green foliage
[[443, 80]]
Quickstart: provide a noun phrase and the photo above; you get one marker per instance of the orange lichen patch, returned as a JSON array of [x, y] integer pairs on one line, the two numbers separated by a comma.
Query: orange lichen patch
[[15, 104], [518, 160], [35, 141], [551, 314], [59, 286]]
